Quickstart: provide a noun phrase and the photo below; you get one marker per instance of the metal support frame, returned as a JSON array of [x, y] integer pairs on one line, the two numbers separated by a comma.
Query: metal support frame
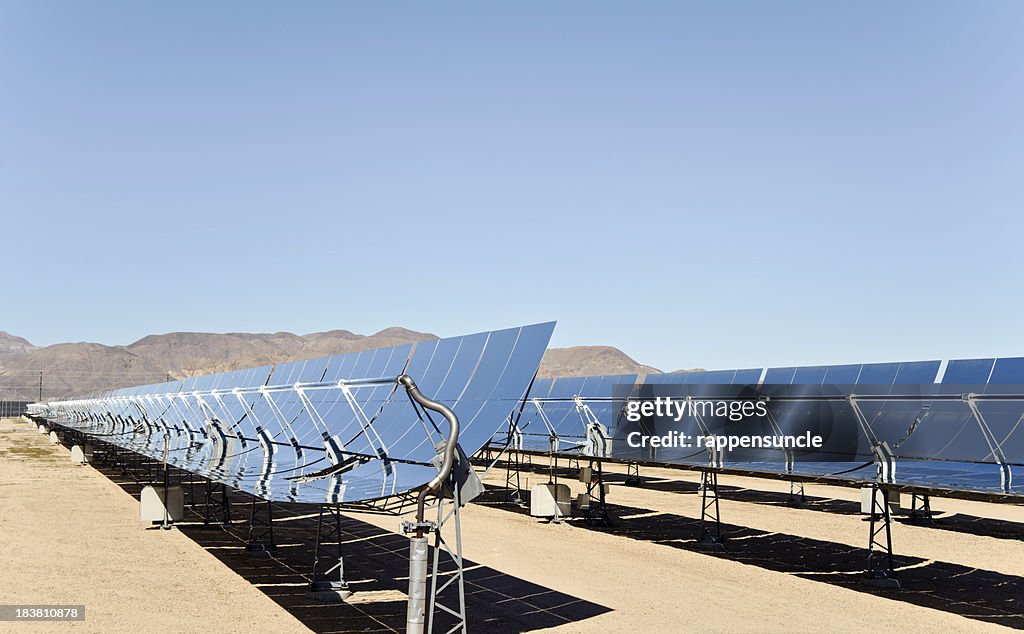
[[633, 474], [261, 527], [216, 504], [448, 481], [189, 491], [796, 495], [922, 513], [597, 509], [710, 514], [327, 582], [994, 446], [513, 479], [447, 581], [880, 571], [553, 461]]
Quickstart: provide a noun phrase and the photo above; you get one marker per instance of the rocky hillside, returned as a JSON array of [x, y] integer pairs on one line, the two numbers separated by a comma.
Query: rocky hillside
[[79, 368], [589, 361]]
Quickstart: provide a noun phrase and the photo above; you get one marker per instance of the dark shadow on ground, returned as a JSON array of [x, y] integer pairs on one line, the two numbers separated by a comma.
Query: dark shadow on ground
[[976, 594], [376, 567], [954, 522]]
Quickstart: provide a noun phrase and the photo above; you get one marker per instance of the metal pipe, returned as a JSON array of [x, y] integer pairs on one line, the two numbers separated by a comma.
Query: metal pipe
[[449, 449], [418, 548]]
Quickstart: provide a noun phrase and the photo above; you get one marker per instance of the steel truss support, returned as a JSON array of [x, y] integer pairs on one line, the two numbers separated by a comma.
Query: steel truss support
[[710, 515], [633, 474], [261, 527], [796, 495], [880, 570], [447, 582], [216, 504], [922, 513], [513, 480], [327, 582], [552, 467], [189, 490], [597, 509]]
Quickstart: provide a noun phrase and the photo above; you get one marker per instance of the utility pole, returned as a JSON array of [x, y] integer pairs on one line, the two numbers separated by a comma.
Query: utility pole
[[40, 386]]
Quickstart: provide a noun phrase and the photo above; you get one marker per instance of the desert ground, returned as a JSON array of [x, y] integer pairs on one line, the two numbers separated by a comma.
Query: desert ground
[[71, 535]]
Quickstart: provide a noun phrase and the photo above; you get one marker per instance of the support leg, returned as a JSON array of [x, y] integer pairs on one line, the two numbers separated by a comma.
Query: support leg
[[261, 527], [513, 482], [710, 516], [597, 510], [328, 582], [922, 513], [880, 570], [633, 475], [796, 494], [217, 506]]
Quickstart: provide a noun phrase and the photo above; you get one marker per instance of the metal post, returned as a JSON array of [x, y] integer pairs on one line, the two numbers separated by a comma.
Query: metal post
[[633, 474], [880, 570], [710, 516], [261, 531], [922, 513], [328, 582], [597, 509]]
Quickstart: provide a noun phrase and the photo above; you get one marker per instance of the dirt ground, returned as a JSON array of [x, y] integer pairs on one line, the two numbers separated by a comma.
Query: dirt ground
[[69, 534]]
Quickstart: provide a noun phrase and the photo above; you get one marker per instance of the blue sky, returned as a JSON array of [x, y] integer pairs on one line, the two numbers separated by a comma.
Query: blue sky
[[715, 184]]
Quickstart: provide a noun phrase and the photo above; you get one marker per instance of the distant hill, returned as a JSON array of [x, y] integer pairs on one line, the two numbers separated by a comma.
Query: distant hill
[[589, 361], [11, 346], [80, 368]]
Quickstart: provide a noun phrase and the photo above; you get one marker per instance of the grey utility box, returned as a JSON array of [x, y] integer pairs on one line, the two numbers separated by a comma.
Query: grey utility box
[[81, 454], [549, 500], [151, 504], [891, 497]]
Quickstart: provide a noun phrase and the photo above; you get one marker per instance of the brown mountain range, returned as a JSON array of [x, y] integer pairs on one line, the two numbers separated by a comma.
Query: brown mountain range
[[77, 368]]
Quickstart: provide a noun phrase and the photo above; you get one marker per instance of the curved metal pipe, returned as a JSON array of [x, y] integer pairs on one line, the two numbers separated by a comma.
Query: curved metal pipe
[[434, 485]]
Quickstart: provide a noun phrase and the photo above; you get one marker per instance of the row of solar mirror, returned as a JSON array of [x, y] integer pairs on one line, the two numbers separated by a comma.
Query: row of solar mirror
[[1003, 371], [482, 376]]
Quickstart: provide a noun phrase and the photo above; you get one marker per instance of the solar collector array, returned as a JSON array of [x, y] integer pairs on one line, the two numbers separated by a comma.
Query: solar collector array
[[935, 436], [276, 442]]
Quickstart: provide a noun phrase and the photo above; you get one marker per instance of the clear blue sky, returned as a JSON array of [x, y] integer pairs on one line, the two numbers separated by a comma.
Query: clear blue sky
[[715, 184]]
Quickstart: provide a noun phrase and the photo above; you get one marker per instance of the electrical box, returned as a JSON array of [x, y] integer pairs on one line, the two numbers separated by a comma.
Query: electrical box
[[549, 500], [81, 454], [890, 497], [152, 504], [585, 474]]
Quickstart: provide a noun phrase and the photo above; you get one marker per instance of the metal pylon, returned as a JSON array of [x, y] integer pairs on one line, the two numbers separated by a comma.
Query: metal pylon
[[880, 570], [513, 481], [328, 578], [448, 564], [710, 517], [217, 505], [796, 493], [597, 508], [633, 474], [922, 513], [261, 527]]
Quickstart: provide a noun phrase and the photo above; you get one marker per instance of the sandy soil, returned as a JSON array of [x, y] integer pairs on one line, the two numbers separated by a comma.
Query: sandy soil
[[654, 587], [70, 535]]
